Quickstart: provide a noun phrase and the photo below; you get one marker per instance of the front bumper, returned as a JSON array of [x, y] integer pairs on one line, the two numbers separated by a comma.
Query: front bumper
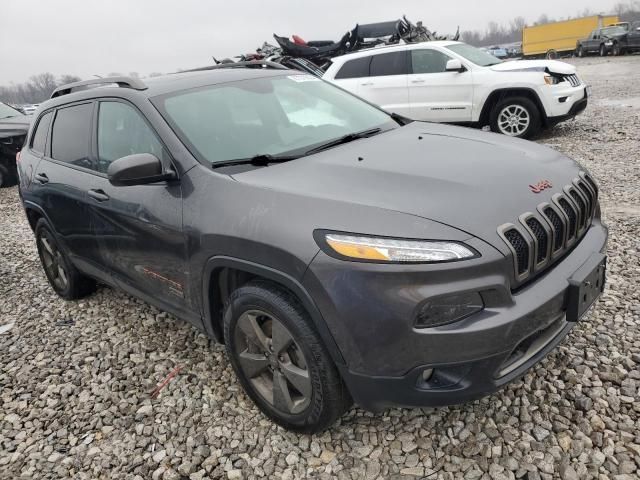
[[370, 310], [563, 103]]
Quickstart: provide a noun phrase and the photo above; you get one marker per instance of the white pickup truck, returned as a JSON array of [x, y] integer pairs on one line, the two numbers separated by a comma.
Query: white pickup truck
[[448, 81]]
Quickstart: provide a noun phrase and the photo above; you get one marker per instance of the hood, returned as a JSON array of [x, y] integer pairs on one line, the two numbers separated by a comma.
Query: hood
[[14, 126], [471, 180], [551, 66]]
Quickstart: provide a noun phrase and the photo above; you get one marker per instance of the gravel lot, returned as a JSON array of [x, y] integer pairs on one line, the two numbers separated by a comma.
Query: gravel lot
[[75, 378]]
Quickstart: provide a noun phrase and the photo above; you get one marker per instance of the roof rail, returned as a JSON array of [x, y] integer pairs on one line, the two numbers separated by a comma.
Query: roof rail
[[247, 64], [123, 82]]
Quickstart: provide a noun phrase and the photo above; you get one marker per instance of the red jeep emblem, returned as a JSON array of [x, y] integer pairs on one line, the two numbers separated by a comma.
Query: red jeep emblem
[[540, 186]]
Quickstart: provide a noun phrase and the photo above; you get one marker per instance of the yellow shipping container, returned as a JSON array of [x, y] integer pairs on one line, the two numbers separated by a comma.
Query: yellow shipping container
[[551, 39]]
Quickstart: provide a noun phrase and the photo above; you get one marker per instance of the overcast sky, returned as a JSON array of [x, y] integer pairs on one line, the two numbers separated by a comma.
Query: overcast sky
[[86, 37]]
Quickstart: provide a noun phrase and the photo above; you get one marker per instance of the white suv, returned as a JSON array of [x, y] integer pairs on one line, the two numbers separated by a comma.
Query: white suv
[[454, 82]]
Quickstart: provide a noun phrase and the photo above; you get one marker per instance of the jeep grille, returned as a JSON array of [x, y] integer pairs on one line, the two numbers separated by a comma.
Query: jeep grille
[[540, 238]]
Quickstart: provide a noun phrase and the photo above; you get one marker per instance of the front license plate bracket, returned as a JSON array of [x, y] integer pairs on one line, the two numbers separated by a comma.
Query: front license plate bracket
[[585, 286]]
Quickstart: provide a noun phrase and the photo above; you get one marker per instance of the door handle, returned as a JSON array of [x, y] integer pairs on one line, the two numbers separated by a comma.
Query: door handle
[[41, 178], [98, 195], [417, 81], [366, 84]]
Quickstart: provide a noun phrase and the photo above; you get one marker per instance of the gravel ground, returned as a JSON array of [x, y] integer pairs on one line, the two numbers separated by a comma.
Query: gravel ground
[[75, 378]]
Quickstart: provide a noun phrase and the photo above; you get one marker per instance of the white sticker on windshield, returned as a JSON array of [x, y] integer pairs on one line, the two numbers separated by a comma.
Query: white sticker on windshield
[[303, 78]]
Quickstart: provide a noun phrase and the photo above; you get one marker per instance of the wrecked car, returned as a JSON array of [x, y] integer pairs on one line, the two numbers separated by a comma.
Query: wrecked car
[[13, 129]]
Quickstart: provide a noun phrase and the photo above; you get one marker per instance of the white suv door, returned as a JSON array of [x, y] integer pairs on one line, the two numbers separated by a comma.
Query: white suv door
[[437, 95], [386, 85]]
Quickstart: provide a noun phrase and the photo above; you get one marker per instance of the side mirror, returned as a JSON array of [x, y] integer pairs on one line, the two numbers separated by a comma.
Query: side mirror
[[138, 169], [454, 65]]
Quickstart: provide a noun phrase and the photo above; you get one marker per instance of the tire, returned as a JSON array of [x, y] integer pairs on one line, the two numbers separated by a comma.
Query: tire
[[551, 55], [66, 280], [4, 177], [263, 308], [580, 52], [603, 51], [509, 107], [615, 50]]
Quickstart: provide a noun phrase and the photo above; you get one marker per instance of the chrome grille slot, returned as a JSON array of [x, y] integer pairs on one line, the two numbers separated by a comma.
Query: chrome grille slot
[[574, 80]]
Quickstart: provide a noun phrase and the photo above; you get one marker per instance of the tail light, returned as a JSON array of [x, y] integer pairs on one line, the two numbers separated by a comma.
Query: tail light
[[18, 156]]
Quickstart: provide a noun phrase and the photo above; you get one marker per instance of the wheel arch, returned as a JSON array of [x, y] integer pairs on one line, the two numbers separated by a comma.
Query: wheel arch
[[35, 213], [502, 93], [223, 274]]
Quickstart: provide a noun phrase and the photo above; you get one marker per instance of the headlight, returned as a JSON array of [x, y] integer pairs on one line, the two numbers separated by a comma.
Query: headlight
[[380, 249], [551, 80], [608, 43]]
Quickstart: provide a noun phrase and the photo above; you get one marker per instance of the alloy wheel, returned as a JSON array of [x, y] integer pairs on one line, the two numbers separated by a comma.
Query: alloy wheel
[[53, 263], [273, 362], [513, 120]]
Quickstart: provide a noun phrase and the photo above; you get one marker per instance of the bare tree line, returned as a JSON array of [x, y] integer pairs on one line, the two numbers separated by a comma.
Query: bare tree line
[[497, 34]]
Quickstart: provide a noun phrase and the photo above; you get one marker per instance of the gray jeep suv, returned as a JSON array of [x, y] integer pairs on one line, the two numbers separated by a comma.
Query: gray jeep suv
[[340, 253]]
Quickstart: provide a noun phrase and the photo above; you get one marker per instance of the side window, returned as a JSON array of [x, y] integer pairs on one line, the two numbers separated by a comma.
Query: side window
[[122, 131], [428, 61], [39, 139], [356, 68], [385, 64], [71, 135]]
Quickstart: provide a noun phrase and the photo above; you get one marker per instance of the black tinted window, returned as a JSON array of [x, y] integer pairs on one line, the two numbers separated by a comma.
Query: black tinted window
[[122, 131], [428, 61], [39, 140], [394, 63], [356, 68], [71, 134]]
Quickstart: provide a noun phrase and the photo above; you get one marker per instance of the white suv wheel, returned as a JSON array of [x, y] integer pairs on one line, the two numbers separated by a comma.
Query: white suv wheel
[[513, 120]]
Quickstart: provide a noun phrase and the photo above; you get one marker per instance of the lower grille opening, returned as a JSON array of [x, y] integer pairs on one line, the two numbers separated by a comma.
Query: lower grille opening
[[530, 346]]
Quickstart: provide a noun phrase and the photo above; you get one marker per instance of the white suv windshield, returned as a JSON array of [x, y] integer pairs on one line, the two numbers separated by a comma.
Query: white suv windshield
[[474, 55], [266, 116]]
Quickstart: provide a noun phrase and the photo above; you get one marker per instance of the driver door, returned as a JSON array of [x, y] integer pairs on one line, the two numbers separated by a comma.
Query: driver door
[[435, 94], [138, 228]]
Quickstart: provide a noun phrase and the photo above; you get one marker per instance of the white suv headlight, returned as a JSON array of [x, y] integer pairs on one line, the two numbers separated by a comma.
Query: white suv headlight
[[380, 249]]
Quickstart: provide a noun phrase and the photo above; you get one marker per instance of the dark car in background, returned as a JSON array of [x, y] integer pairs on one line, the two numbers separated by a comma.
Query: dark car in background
[[13, 130], [339, 252], [616, 39]]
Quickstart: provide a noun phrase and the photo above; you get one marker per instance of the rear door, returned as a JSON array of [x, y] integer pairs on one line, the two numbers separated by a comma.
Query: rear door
[[435, 94], [386, 85], [138, 228], [63, 176]]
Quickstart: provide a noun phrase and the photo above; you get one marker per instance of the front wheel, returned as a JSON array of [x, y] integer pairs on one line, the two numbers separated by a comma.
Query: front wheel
[[280, 360], [603, 51], [615, 50], [580, 52], [516, 117]]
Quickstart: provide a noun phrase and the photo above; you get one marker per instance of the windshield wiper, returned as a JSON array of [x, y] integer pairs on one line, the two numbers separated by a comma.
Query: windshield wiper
[[260, 160], [349, 137]]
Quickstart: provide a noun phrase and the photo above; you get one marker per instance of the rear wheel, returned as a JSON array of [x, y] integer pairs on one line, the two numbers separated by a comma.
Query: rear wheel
[[7, 177], [65, 279], [515, 117], [552, 55], [280, 360]]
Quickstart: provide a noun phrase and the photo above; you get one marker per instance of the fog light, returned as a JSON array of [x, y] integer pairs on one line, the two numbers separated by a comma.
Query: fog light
[[448, 309]]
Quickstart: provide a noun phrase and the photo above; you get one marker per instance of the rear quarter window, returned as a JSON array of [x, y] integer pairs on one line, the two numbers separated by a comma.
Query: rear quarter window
[[356, 68], [39, 139], [71, 135]]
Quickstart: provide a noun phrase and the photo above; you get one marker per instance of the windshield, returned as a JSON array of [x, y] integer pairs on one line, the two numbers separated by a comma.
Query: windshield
[[474, 55], [613, 31], [276, 116], [6, 111]]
